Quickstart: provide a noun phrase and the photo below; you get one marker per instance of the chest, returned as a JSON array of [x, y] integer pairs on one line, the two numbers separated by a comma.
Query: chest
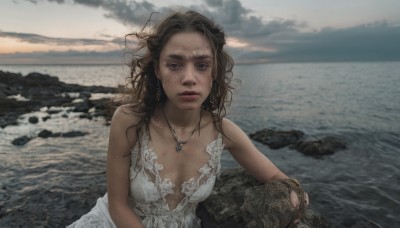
[[184, 165]]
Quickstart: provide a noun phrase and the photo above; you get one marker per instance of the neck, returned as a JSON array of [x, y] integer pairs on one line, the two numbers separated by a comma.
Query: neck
[[179, 118]]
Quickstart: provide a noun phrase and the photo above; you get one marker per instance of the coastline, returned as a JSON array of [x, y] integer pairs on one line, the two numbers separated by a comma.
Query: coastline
[[61, 193]]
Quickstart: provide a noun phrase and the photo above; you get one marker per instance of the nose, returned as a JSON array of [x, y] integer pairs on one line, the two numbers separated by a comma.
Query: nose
[[189, 75]]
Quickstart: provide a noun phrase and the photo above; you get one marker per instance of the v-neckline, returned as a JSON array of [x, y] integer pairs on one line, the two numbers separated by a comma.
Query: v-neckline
[[159, 180]]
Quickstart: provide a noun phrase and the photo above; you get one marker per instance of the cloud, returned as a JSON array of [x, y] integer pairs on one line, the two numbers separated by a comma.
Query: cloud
[[369, 42], [273, 40], [35, 38], [64, 57], [236, 19]]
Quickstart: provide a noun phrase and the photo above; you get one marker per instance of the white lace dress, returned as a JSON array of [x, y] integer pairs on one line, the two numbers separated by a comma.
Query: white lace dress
[[149, 192]]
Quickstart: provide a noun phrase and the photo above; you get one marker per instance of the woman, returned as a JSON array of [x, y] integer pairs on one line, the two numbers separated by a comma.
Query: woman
[[165, 143]]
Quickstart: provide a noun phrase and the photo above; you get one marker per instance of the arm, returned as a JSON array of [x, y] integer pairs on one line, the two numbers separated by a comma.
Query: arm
[[253, 161], [247, 155], [118, 164]]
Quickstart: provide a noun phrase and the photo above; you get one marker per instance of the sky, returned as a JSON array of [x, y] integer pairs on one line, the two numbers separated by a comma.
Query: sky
[[258, 31]]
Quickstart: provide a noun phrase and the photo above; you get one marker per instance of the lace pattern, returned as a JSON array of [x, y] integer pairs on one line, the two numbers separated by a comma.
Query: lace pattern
[[193, 191]]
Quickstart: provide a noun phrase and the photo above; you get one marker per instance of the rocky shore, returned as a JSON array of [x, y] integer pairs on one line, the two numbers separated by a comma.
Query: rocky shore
[[24, 94], [238, 200]]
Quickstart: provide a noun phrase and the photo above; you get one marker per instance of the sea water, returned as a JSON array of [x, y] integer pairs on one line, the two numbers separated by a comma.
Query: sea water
[[359, 103]]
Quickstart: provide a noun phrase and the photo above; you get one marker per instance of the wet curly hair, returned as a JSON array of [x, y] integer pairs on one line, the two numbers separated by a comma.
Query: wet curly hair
[[141, 91]]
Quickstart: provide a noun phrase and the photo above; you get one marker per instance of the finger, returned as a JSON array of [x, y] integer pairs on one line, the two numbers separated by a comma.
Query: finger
[[294, 199]]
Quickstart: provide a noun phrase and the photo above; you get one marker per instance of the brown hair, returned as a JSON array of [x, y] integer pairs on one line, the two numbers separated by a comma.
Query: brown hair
[[142, 92]]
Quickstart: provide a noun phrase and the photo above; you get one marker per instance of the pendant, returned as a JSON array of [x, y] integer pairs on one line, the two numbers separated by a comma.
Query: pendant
[[179, 145]]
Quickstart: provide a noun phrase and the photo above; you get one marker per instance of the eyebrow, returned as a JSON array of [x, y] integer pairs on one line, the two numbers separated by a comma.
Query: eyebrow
[[181, 57]]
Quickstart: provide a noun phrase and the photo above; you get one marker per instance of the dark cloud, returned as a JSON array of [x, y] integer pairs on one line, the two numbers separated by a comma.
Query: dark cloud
[[131, 12], [369, 42], [239, 21], [127, 12], [214, 3], [236, 19]]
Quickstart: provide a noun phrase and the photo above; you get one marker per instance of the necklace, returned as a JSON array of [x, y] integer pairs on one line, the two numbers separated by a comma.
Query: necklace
[[180, 143]]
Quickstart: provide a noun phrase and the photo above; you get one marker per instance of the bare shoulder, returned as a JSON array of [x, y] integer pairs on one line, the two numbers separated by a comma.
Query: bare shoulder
[[229, 126], [125, 115], [123, 126], [233, 134]]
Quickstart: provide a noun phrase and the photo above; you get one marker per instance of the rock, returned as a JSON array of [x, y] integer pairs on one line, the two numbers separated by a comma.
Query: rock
[[45, 133], [21, 140], [43, 91], [239, 200], [320, 147], [33, 120], [73, 134], [58, 134], [6, 90], [46, 118], [9, 119], [100, 103], [54, 111], [85, 95], [277, 139], [85, 116], [19, 107], [83, 106]]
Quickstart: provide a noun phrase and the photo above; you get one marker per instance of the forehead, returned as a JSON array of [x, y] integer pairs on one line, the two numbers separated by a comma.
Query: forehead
[[187, 44]]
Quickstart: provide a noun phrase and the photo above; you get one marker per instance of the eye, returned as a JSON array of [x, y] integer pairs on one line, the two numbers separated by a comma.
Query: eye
[[202, 66], [173, 66]]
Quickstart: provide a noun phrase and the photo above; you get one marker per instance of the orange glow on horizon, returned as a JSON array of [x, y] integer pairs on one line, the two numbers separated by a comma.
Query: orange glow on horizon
[[236, 43]]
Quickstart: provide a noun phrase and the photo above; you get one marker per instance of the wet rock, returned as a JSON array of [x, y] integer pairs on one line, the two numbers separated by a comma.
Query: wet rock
[[85, 95], [45, 133], [100, 103], [6, 90], [320, 147], [68, 134], [21, 140], [239, 200], [275, 139], [54, 111], [73, 134], [43, 91], [46, 118], [85, 116], [33, 120], [8, 120], [83, 106], [9, 106], [57, 134]]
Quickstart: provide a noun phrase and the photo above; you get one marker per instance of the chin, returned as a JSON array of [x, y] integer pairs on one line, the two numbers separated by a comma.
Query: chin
[[189, 107]]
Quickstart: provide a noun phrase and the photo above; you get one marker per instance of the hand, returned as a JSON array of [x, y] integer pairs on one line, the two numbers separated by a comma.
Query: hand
[[295, 202]]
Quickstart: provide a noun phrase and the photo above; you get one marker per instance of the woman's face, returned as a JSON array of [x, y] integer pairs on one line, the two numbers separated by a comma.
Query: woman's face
[[185, 70]]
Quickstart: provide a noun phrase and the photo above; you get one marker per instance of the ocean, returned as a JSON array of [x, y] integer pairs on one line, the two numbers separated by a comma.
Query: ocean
[[359, 103]]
